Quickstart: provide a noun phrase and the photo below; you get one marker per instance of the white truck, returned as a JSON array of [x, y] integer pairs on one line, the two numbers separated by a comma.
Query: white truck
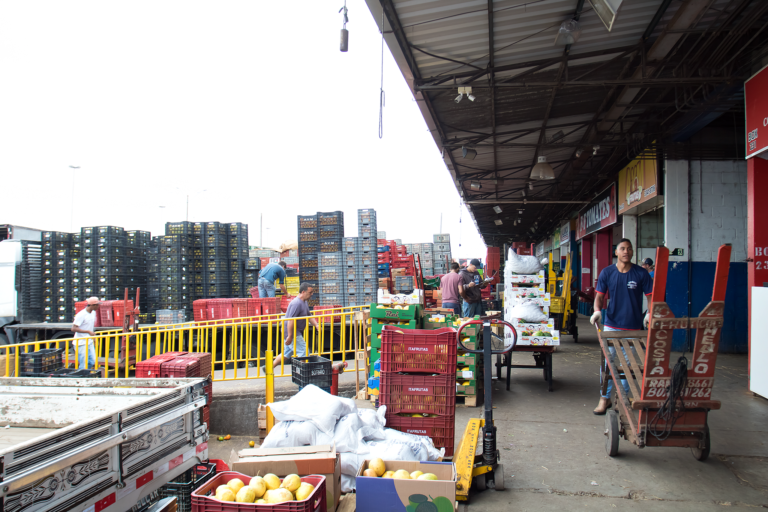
[[96, 444]]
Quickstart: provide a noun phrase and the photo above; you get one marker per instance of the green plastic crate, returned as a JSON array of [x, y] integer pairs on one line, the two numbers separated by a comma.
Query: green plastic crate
[[411, 312]]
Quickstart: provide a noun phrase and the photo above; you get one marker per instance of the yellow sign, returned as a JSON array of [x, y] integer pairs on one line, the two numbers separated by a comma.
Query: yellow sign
[[637, 182]]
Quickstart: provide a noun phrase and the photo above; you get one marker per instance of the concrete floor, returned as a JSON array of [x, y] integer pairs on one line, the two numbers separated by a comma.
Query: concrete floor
[[553, 450]]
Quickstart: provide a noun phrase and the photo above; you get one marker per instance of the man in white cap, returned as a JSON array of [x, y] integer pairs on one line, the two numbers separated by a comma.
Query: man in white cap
[[83, 326]]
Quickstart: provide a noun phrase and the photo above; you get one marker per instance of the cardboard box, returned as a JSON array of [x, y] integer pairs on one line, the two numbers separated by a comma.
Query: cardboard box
[[377, 494], [9, 360], [300, 460], [417, 297]]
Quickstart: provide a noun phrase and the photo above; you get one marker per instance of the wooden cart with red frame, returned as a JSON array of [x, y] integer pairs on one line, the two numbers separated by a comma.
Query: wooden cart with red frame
[[643, 359]]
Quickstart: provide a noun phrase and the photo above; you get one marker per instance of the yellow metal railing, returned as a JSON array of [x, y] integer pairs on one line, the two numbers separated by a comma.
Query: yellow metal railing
[[236, 345]]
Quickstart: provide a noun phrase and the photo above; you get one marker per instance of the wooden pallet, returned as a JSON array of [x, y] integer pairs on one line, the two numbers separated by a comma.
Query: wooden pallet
[[469, 400]]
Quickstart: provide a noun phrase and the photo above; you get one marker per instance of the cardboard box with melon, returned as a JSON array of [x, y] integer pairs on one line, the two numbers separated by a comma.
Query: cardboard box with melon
[[406, 485]]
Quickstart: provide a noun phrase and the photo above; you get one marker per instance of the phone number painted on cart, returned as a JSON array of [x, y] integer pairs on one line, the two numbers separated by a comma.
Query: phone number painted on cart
[[697, 388]]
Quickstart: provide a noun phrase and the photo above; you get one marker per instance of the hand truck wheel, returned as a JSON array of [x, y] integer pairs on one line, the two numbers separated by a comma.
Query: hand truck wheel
[[498, 477], [701, 454], [611, 433]]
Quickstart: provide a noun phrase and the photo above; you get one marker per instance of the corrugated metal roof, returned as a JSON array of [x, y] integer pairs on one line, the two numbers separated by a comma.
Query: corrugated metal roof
[[444, 43]]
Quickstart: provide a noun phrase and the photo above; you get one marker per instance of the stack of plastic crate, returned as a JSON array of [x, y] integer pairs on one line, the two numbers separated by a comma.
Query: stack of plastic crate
[[175, 269], [152, 299], [57, 282], [31, 282], [252, 267], [442, 252], [368, 257], [418, 382], [238, 256], [330, 233], [308, 254], [216, 277], [137, 248], [427, 258]]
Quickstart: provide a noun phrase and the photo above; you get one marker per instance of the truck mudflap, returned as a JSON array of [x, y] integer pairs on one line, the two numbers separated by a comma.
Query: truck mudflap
[[145, 446]]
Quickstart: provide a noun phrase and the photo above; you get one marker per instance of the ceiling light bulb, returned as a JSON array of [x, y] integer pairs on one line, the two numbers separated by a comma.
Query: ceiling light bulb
[[497, 209], [533, 229], [458, 98], [578, 153], [475, 185], [520, 212], [595, 149], [542, 170], [523, 191], [471, 97], [530, 185], [498, 222], [468, 153]]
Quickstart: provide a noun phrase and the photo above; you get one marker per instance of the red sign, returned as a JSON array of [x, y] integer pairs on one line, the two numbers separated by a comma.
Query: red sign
[[599, 214], [756, 108]]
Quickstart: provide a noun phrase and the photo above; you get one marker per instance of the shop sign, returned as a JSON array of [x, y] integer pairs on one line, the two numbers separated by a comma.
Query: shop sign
[[637, 182], [565, 232], [599, 214], [539, 249], [556, 239], [756, 110]]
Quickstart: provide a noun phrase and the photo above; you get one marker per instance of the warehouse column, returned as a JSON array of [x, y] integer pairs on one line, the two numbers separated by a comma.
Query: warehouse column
[[629, 231], [757, 228]]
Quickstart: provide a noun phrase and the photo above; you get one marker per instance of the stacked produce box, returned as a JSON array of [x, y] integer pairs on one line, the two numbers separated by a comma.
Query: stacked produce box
[[524, 294], [308, 254], [441, 253], [405, 317], [237, 246], [469, 369], [57, 277], [174, 273], [418, 380]]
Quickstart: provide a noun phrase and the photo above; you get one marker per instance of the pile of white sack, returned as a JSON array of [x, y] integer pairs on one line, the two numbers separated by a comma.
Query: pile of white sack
[[314, 417]]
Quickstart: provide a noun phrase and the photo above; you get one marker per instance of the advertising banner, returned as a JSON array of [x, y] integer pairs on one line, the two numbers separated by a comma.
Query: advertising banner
[[637, 182], [565, 232], [599, 214], [756, 110]]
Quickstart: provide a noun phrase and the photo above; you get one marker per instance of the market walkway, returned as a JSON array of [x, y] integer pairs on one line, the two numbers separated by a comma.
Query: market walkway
[[552, 446], [554, 457]]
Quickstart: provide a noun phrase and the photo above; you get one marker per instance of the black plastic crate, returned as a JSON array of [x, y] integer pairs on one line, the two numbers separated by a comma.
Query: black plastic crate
[[328, 246], [107, 230], [253, 264], [330, 218], [108, 250], [110, 240], [307, 222], [307, 248], [178, 228], [308, 275], [311, 370], [217, 251], [175, 240], [40, 361], [215, 240], [239, 253], [330, 232], [238, 229], [216, 265], [186, 483], [215, 228], [56, 236], [308, 260], [71, 373], [307, 235], [366, 216]]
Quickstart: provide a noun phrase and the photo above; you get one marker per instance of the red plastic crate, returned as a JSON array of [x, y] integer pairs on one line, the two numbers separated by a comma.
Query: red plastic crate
[[239, 308], [119, 308], [151, 368], [417, 350], [423, 394], [440, 430], [105, 314], [270, 306], [219, 309], [180, 368], [328, 318], [285, 300], [205, 362], [203, 500], [254, 307], [200, 310]]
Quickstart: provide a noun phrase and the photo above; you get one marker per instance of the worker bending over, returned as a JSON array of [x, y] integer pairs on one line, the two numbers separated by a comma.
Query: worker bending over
[[625, 283], [267, 277]]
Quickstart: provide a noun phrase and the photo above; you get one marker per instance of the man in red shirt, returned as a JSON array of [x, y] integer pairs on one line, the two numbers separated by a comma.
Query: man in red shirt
[[449, 285]]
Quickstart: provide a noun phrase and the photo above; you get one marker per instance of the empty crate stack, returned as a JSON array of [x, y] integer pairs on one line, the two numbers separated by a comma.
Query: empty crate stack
[[137, 246], [57, 279], [330, 231], [418, 382], [30, 297], [308, 255], [175, 272], [442, 253]]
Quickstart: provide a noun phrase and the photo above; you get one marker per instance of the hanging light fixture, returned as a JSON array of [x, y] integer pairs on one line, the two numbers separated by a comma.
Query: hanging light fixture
[[344, 46], [468, 153], [497, 209], [475, 185], [458, 98], [498, 222], [569, 33], [542, 170]]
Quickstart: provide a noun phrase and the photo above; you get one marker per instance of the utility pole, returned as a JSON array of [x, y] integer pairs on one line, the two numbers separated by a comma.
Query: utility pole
[[441, 223], [187, 207], [261, 229]]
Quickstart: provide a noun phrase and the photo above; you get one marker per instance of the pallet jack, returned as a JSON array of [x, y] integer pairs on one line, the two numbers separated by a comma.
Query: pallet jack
[[561, 302], [484, 470]]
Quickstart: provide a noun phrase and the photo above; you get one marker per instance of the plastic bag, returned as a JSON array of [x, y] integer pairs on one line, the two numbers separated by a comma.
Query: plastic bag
[[346, 433], [293, 433], [522, 264], [422, 447], [315, 405], [528, 312]]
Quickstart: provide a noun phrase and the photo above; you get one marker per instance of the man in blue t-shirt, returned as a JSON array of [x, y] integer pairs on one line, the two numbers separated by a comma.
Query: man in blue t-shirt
[[267, 277], [625, 283]]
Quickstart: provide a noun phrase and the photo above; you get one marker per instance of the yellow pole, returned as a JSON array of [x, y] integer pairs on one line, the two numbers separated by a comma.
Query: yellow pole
[[270, 390]]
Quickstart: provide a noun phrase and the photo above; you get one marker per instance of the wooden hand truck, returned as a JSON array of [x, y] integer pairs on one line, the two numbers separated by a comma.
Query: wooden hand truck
[[643, 359], [484, 470]]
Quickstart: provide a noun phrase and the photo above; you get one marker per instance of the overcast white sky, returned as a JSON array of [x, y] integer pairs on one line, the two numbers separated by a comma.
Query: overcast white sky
[[247, 106]]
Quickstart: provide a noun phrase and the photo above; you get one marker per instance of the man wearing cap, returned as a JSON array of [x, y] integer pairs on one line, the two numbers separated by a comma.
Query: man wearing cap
[[469, 288], [648, 265], [83, 326]]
